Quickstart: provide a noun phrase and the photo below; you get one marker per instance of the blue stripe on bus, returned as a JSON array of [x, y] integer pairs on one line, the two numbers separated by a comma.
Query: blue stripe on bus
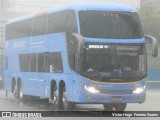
[[141, 40]]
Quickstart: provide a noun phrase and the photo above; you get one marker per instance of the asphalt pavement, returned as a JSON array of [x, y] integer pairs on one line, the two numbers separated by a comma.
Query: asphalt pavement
[[11, 104]]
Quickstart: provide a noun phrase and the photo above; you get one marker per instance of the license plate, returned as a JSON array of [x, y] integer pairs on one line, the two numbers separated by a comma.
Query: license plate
[[116, 99]]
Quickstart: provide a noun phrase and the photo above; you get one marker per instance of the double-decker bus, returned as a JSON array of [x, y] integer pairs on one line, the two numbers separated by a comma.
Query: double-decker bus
[[90, 54]]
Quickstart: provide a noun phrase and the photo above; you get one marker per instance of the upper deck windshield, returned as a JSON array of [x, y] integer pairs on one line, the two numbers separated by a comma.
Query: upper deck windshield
[[115, 63], [111, 25]]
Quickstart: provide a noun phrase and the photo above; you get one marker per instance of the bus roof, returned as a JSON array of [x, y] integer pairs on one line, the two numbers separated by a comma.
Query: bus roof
[[98, 6], [78, 7]]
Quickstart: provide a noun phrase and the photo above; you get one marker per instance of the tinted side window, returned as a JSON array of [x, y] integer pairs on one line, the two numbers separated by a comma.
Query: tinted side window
[[33, 62], [41, 58], [19, 29], [57, 62], [24, 62], [27, 28], [71, 22], [56, 22], [54, 60], [40, 62], [39, 25], [48, 61], [11, 31]]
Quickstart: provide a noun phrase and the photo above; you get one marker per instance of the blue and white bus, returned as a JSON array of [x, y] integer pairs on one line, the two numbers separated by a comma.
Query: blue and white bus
[[90, 54]]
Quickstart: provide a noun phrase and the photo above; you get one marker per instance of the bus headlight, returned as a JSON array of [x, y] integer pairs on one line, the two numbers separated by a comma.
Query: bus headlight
[[139, 90], [91, 89]]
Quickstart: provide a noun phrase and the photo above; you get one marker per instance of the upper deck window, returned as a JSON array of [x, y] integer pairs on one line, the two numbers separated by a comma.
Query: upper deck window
[[111, 25]]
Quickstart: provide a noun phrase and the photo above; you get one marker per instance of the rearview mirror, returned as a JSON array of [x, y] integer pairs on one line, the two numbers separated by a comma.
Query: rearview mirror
[[153, 41]]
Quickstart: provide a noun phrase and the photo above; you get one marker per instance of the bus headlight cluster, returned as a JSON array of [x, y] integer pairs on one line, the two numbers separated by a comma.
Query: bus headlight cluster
[[139, 90], [91, 89]]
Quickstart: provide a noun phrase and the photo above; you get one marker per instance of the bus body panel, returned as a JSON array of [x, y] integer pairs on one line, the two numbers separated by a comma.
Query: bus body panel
[[35, 83]]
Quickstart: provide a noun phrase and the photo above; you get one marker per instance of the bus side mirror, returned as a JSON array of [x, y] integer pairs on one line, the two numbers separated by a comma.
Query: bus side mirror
[[154, 42]]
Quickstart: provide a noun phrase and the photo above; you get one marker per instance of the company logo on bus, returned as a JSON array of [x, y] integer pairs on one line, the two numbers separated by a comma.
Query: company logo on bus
[[20, 44]]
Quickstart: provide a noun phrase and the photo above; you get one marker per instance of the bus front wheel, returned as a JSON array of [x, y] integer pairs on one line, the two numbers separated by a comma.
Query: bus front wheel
[[67, 105], [20, 92], [54, 99], [115, 106]]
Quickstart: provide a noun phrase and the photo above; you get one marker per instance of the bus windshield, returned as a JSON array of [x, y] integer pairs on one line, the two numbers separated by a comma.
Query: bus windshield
[[111, 25], [115, 63]]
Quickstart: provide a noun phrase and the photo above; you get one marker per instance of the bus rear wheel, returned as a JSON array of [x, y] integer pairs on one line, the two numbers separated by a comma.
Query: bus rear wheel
[[67, 105], [115, 106]]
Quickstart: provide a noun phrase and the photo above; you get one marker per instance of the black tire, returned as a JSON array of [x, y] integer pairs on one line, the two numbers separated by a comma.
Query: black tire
[[54, 98], [115, 106], [15, 91], [67, 105]]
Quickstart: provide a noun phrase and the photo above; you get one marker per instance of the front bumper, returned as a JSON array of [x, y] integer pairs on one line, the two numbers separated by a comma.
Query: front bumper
[[111, 96]]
